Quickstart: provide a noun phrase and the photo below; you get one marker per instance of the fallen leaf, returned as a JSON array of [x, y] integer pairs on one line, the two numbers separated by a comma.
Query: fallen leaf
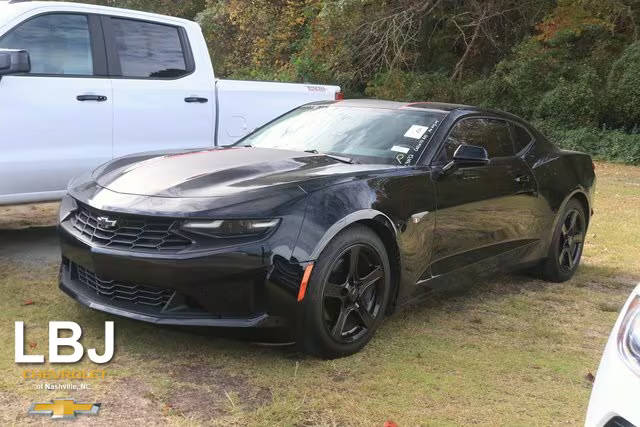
[[33, 345], [589, 377]]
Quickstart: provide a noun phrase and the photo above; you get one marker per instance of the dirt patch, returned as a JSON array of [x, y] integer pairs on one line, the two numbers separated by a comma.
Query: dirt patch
[[26, 216], [16, 405], [129, 393], [124, 402], [207, 392]]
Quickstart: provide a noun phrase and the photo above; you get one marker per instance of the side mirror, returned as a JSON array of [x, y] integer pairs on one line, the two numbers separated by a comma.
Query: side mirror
[[471, 155], [14, 62], [466, 156]]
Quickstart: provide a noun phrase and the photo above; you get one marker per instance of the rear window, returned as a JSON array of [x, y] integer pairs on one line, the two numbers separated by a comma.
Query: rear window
[[148, 50], [521, 137], [368, 135]]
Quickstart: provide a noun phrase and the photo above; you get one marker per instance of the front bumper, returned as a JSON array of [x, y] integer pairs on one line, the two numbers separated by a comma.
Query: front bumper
[[242, 287], [614, 398]]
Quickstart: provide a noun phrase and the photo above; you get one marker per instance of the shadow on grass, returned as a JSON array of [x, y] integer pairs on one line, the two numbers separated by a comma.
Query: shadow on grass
[[145, 340], [464, 294], [36, 245]]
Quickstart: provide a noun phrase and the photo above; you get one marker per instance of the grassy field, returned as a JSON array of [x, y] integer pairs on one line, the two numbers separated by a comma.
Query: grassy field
[[511, 351]]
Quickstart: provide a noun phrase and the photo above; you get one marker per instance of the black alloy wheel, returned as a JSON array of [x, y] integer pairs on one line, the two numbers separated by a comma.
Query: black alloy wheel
[[566, 245], [571, 240], [347, 294], [353, 293]]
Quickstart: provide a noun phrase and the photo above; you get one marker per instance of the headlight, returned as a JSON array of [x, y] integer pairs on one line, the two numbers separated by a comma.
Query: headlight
[[629, 335], [67, 206], [231, 228]]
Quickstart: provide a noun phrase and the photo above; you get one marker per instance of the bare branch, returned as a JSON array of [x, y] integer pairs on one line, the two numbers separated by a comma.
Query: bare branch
[[385, 42]]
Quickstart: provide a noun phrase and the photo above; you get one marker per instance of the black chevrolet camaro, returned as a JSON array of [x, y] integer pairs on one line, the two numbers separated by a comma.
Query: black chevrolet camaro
[[324, 220]]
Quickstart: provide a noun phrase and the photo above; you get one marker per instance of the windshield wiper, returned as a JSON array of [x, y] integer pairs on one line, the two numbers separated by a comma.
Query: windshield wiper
[[342, 159]]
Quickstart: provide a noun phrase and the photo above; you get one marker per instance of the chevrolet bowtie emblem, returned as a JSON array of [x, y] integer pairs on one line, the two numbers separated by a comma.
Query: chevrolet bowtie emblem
[[64, 408], [106, 223]]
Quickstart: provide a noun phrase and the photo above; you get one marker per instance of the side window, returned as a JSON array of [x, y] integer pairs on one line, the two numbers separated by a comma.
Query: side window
[[58, 44], [521, 137], [148, 50], [492, 134]]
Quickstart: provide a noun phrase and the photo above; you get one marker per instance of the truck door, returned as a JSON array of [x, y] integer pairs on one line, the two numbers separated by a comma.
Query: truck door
[[55, 121], [161, 99]]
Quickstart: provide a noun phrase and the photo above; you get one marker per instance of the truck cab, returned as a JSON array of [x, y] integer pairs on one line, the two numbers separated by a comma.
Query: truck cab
[[106, 82]]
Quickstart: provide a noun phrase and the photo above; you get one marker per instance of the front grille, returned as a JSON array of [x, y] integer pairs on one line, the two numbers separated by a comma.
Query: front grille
[[129, 231], [149, 296]]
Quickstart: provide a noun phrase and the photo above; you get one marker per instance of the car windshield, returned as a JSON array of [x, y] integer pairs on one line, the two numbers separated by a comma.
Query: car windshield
[[365, 135]]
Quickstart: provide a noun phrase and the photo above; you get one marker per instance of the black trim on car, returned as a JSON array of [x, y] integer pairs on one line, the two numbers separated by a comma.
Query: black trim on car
[[527, 147]]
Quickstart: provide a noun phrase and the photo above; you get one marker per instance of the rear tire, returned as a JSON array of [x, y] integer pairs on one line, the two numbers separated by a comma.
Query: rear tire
[[347, 295], [567, 244]]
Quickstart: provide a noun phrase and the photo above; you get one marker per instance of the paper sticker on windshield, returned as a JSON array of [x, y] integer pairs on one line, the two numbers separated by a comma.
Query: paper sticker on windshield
[[416, 132], [400, 149]]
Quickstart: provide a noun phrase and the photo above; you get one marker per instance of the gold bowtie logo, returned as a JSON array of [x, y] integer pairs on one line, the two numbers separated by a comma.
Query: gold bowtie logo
[[64, 408]]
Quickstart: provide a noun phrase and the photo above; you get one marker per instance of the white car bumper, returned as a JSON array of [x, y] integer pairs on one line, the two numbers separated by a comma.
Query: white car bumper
[[615, 399]]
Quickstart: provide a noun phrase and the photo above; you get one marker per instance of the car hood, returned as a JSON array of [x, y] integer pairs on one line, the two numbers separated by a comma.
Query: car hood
[[223, 172]]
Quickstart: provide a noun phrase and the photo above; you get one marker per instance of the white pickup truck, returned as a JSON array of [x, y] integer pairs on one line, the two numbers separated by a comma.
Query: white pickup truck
[[81, 84]]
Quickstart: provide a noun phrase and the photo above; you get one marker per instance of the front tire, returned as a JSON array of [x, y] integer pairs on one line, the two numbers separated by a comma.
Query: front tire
[[347, 295], [567, 244]]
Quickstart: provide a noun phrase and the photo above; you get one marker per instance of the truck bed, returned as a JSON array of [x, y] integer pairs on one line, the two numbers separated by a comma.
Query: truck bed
[[244, 105]]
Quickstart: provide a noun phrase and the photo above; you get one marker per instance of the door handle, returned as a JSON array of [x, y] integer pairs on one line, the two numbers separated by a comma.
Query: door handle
[[523, 179], [196, 99], [466, 175], [98, 98]]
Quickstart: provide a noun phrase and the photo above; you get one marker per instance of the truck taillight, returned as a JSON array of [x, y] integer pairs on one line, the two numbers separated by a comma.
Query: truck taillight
[[339, 96]]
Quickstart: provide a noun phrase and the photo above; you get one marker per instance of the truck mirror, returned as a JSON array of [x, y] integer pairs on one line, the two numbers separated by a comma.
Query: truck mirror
[[14, 62]]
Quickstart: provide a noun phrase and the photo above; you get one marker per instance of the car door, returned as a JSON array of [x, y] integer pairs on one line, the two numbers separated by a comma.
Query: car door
[[56, 120], [482, 211], [160, 100]]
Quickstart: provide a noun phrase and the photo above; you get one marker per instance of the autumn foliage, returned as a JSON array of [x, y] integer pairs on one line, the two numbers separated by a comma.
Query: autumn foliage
[[568, 64]]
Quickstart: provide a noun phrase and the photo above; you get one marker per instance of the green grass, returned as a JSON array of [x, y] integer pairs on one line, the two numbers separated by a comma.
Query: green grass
[[509, 351]]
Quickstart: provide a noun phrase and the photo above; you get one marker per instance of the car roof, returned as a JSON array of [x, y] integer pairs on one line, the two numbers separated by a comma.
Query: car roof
[[441, 107], [392, 105]]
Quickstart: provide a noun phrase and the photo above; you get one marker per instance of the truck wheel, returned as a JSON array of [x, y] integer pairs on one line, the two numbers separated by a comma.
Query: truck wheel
[[567, 244], [347, 294]]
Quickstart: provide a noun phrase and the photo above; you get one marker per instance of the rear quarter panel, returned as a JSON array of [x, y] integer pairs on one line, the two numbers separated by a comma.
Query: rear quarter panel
[[561, 175]]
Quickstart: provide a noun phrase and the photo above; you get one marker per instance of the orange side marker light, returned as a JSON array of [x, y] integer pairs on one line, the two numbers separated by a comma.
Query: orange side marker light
[[304, 282]]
